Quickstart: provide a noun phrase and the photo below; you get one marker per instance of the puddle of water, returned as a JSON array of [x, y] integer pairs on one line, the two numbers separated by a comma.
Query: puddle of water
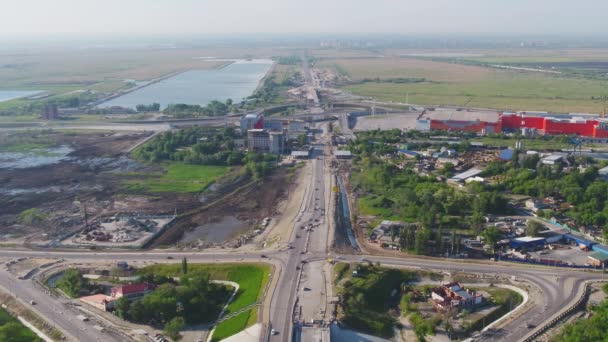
[[215, 232], [34, 158]]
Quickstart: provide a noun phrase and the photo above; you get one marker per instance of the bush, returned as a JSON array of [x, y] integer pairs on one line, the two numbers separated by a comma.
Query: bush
[[71, 282]]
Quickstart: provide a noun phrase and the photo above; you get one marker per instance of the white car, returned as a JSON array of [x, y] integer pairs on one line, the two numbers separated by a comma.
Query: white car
[[273, 332]]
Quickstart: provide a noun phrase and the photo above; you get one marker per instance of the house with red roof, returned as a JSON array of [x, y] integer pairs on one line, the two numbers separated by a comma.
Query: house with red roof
[[130, 291]]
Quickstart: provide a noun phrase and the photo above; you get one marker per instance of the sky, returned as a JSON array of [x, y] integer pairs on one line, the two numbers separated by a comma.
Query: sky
[[541, 17]]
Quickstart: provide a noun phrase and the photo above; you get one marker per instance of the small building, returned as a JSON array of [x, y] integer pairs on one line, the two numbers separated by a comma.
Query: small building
[[454, 296], [300, 154], [552, 159], [527, 242], [462, 177], [131, 291], [408, 153], [535, 205], [99, 301], [343, 154], [598, 259], [445, 160], [475, 179]]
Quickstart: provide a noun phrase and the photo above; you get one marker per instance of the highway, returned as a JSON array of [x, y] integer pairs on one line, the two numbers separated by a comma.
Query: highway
[[311, 213]]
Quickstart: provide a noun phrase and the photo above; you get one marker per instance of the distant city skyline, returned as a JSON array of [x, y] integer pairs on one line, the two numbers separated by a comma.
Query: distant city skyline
[[540, 17]]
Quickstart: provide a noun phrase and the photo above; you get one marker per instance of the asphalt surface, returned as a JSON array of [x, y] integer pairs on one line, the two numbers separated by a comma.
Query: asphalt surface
[[306, 244]]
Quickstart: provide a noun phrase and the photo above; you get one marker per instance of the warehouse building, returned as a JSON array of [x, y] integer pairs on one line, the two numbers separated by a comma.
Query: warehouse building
[[592, 126], [527, 242], [586, 125]]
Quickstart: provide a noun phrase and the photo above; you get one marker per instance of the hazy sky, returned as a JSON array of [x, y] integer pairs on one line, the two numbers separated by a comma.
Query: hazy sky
[[306, 16]]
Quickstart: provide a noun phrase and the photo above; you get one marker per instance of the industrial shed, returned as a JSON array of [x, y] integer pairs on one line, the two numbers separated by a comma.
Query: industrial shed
[[527, 242]]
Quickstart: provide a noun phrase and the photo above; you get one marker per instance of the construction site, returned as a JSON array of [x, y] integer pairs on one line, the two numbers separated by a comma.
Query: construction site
[[71, 189], [121, 231]]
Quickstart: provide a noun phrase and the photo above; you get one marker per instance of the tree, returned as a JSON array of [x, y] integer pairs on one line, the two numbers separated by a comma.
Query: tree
[[122, 307], [184, 265], [491, 235], [439, 238], [533, 228], [71, 282], [422, 236], [422, 327], [137, 312], [174, 327]]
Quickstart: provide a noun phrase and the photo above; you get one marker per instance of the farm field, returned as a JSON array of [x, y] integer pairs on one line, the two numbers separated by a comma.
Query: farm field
[[467, 85], [179, 178]]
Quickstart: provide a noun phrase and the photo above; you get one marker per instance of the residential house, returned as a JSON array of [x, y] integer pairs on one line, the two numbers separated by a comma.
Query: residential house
[[454, 296]]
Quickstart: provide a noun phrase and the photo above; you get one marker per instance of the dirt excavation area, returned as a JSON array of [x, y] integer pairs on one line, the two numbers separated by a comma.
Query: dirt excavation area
[[51, 182], [242, 214], [84, 189]]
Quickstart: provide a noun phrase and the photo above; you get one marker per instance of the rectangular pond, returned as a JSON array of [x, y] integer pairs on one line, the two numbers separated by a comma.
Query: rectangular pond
[[235, 81]]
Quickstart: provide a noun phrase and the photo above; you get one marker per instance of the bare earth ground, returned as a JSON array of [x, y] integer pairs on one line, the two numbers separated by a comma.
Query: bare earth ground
[[282, 211], [279, 231], [92, 177], [247, 201]]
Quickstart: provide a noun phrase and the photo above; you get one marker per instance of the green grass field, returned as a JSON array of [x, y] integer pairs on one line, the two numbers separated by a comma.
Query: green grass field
[[252, 280], [471, 86], [367, 206], [235, 325], [516, 91], [178, 178]]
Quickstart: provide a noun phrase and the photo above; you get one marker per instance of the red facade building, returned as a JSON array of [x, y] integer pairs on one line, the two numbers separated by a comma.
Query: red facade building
[[592, 127]]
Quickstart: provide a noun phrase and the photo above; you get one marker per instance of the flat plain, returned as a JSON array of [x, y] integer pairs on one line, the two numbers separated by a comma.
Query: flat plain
[[451, 81]]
